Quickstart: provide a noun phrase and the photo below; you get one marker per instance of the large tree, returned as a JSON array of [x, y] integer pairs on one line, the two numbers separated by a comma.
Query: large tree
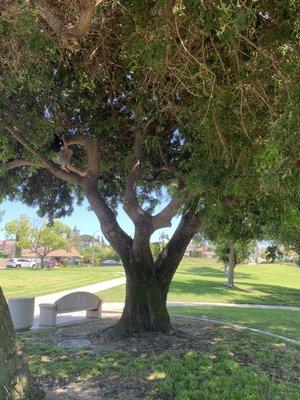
[[182, 99]]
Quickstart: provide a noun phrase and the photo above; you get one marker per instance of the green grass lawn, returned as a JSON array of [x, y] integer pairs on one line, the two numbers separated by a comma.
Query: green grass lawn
[[27, 282], [198, 361], [204, 281], [281, 322]]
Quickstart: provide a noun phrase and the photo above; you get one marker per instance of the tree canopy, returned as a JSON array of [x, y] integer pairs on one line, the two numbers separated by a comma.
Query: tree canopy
[[195, 100], [210, 88]]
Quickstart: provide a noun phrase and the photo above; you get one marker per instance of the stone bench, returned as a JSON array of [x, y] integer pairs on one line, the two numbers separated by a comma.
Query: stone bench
[[77, 301]]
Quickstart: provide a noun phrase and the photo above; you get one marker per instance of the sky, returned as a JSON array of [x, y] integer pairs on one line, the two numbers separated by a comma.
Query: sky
[[84, 219]]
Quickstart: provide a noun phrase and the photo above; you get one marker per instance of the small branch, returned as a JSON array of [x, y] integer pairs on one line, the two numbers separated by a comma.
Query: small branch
[[170, 168], [222, 137]]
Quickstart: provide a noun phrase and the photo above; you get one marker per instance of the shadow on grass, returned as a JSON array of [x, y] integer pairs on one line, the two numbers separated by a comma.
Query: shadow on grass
[[212, 272], [268, 294]]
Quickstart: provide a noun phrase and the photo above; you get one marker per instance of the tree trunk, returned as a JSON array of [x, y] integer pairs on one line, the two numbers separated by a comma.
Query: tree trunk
[[42, 262], [231, 267], [15, 380], [145, 306], [147, 281]]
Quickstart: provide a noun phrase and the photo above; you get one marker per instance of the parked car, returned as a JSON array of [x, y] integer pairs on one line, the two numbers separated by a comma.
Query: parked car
[[110, 262], [19, 262]]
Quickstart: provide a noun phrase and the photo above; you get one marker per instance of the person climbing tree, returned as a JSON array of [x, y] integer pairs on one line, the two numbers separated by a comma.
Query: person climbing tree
[[65, 154]]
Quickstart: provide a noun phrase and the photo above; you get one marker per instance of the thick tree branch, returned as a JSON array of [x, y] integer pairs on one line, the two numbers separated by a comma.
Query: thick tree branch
[[85, 19], [45, 163], [119, 239], [69, 36], [52, 18], [131, 203], [168, 260], [163, 218], [21, 163]]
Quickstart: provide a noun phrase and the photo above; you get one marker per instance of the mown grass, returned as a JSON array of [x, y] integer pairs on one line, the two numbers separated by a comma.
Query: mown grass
[[280, 322], [204, 281], [233, 366], [28, 282]]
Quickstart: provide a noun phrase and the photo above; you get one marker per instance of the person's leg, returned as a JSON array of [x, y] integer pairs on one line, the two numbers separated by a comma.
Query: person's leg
[[77, 171], [66, 155]]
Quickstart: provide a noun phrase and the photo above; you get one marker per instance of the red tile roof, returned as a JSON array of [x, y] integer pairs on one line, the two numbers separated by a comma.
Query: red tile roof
[[72, 252]]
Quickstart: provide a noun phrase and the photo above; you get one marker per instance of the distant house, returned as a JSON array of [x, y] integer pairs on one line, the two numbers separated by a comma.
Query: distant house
[[71, 256], [8, 247], [199, 250]]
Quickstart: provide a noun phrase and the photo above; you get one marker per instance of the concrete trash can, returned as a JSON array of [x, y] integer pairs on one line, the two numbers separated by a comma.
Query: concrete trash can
[[22, 312]]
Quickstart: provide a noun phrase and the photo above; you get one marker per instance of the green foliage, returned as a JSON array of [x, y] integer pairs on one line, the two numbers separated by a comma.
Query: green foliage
[[40, 239], [195, 254], [273, 253], [156, 248], [213, 86], [242, 250], [285, 229], [99, 253]]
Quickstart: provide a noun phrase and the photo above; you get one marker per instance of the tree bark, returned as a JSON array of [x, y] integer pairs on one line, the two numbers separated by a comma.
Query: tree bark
[[145, 305], [148, 281], [16, 382], [231, 267]]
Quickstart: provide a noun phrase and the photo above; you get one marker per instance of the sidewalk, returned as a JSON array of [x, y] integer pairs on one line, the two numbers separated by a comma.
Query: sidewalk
[[116, 308]]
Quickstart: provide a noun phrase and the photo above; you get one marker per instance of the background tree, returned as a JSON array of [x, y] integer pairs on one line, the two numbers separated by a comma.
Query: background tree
[[99, 252], [194, 101], [285, 229], [273, 253], [40, 239], [231, 253], [234, 228]]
